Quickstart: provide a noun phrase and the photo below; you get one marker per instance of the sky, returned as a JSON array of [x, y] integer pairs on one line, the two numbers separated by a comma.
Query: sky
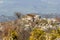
[[9, 7]]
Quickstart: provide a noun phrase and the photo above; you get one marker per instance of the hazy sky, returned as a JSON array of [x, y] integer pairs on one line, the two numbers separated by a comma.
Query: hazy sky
[[8, 7]]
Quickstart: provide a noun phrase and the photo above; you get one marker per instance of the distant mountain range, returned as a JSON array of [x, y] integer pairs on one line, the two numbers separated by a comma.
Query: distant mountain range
[[51, 15], [7, 18], [4, 18]]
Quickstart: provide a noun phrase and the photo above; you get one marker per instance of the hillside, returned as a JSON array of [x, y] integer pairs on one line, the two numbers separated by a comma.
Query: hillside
[[30, 27]]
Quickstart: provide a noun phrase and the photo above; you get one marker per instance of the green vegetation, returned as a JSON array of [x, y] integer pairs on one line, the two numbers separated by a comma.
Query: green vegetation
[[38, 34]]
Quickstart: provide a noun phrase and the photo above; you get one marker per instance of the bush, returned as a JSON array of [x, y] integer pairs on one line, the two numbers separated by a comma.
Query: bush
[[38, 34]]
